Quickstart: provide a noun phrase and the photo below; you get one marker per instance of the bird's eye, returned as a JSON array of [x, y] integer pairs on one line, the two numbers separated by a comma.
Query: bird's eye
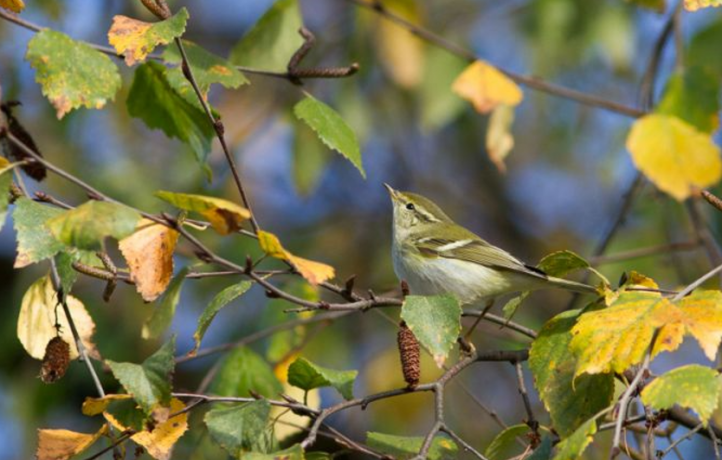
[[410, 206]]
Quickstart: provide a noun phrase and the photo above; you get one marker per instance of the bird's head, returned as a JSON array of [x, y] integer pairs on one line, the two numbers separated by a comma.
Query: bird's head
[[413, 211]]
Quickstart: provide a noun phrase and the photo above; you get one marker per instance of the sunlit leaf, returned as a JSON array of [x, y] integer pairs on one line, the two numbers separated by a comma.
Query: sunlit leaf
[[136, 39], [574, 446], [35, 242], [674, 155], [159, 441], [307, 376], [154, 100], [207, 68], [570, 400], [95, 406], [149, 255], [692, 95], [509, 309], [86, 226], [694, 5], [71, 74], [435, 321], [272, 40], [561, 263], [63, 444], [486, 87], [617, 337], [400, 52], [242, 372], [222, 299], [239, 428], [16, 6], [330, 128], [225, 216], [499, 140], [692, 386], [314, 272], [162, 316], [149, 382], [38, 313], [503, 443], [405, 447]]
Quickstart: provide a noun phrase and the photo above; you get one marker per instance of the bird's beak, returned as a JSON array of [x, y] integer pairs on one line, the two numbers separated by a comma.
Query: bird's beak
[[392, 193]]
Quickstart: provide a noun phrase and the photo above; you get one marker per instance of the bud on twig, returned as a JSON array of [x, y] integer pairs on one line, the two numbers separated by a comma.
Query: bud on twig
[[410, 353], [55, 361]]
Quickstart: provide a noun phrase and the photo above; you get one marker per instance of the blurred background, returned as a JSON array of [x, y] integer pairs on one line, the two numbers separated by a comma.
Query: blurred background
[[565, 181]]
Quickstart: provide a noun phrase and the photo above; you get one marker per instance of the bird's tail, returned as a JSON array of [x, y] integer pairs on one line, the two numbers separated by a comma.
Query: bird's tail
[[572, 285]]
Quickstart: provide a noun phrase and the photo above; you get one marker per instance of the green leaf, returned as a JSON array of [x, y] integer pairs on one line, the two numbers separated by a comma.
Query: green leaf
[[71, 73], [244, 371], [222, 299], [207, 68], [136, 39], [553, 364], [162, 316], [573, 447], [154, 100], [309, 159], [35, 242], [294, 452], [513, 305], [693, 96], [149, 383], [503, 443], [703, 48], [435, 321], [6, 179], [86, 226], [318, 456], [439, 105], [273, 40], [239, 428], [693, 386], [307, 376], [404, 447], [543, 451], [331, 129], [561, 262]]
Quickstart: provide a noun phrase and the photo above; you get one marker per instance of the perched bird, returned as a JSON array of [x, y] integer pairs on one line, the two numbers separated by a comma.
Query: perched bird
[[437, 256]]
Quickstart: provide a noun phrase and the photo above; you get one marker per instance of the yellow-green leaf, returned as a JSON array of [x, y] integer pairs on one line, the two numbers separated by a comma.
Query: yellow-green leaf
[[435, 321], [71, 73], [674, 154], [35, 242], [574, 446], [694, 5], [314, 272], [86, 226], [222, 299], [225, 216], [693, 386], [486, 87], [136, 39]]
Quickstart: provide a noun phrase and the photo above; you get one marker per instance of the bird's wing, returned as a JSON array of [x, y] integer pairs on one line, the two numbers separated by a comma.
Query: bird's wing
[[471, 248]]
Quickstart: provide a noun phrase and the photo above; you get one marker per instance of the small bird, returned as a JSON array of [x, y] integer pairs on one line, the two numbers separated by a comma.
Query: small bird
[[437, 256]]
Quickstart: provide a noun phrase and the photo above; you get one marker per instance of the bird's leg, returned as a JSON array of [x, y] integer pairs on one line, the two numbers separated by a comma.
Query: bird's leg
[[489, 304]]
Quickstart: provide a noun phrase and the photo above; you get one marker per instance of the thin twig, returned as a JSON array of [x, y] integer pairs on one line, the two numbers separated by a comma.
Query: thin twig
[[644, 252], [687, 435], [531, 420]]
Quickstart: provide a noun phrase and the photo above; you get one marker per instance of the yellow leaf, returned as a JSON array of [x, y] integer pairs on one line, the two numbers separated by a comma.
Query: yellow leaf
[[674, 155], [225, 216], [400, 52], [486, 87], [136, 39], [615, 338], [694, 5], [36, 322], [16, 6], [95, 406], [314, 272], [499, 140], [159, 442], [63, 444], [149, 254]]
